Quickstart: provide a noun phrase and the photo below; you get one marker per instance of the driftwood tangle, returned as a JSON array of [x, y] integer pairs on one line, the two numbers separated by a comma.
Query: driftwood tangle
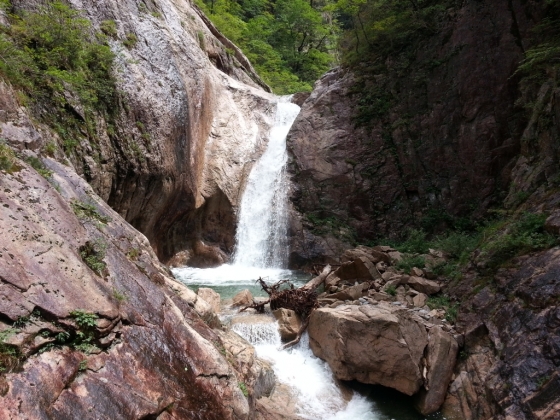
[[302, 301]]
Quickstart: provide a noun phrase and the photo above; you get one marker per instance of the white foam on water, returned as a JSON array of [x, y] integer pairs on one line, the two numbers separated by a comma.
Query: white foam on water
[[229, 275], [261, 238], [309, 378], [261, 247]]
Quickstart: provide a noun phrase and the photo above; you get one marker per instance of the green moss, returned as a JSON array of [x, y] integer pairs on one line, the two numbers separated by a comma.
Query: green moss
[[7, 157], [92, 254], [130, 41], [88, 211]]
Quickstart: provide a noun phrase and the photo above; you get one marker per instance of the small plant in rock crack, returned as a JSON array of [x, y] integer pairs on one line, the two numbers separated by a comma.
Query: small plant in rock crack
[[9, 355], [62, 337], [119, 296], [243, 389], [83, 366], [92, 254], [39, 166], [88, 211], [22, 321], [7, 157], [86, 320], [391, 290], [84, 337]]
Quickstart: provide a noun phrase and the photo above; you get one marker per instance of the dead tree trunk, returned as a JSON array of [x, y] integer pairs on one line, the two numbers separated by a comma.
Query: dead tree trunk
[[302, 301]]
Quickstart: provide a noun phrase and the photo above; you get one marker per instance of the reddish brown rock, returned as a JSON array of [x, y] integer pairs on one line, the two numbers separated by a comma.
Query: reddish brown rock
[[371, 344], [423, 285], [381, 173], [149, 351], [289, 323], [440, 360]]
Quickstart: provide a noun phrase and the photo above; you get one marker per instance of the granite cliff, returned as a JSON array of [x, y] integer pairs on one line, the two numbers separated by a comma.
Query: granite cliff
[[433, 138], [191, 117], [90, 320]]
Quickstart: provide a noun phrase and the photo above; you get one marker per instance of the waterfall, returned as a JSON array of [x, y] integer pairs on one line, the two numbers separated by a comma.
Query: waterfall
[[309, 378], [262, 227]]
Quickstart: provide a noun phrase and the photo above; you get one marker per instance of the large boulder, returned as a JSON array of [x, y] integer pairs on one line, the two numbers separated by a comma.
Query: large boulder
[[359, 269], [289, 323], [440, 360], [211, 297], [423, 285], [371, 344], [243, 298]]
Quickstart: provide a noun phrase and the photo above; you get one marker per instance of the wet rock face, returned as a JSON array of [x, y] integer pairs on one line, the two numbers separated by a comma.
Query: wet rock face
[[512, 351], [446, 143], [386, 345], [145, 349], [191, 121]]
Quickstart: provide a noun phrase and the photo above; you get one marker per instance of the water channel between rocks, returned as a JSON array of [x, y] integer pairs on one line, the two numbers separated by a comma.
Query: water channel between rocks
[[261, 246]]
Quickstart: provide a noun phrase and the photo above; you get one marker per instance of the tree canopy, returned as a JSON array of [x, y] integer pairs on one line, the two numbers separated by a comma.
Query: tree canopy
[[291, 43]]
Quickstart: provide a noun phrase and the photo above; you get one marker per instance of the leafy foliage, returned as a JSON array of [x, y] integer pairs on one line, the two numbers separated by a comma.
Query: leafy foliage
[[65, 72], [243, 389], [7, 157], [525, 234], [415, 243], [409, 262], [84, 319], [391, 290], [88, 211], [443, 302], [376, 28], [290, 42], [92, 254], [544, 57]]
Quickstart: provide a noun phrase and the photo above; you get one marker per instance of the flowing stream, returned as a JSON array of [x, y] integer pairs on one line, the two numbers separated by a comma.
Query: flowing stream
[[261, 251]]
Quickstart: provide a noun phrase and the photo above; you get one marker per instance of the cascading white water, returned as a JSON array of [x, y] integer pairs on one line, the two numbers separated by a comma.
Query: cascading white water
[[262, 227], [261, 251], [309, 378]]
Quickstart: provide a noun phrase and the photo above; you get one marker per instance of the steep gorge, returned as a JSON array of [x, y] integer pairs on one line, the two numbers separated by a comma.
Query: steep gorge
[[190, 118], [431, 133], [439, 138], [433, 137]]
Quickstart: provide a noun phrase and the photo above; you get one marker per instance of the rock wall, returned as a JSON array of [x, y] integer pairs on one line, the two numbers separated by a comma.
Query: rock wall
[[193, 116], [91, 322], [446, 145], [509, 365]]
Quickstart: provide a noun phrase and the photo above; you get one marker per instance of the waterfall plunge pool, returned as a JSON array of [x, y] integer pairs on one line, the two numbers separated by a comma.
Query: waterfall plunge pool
[[261, 243], [229, 279], [309, 378]]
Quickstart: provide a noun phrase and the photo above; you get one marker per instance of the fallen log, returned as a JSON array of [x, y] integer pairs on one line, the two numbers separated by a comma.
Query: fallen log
[[317, 281], [302, 301]]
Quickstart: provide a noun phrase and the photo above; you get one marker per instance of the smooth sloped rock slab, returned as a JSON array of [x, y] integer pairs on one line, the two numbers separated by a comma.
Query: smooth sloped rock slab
[[371, 344]]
